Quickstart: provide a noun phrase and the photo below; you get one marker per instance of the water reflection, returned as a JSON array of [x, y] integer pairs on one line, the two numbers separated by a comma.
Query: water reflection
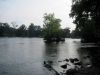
[[69, 49], [60, 51], [51, 52], [85, 57], [90, 55], [25, 56]]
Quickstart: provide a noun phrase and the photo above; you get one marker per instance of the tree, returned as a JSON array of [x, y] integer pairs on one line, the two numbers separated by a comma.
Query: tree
[[31, 30], [38, 31], [87, 15], [6, 29], [65, 33], [76, 33], [51, 27], [21, 31], [13, 28], [34, 31]]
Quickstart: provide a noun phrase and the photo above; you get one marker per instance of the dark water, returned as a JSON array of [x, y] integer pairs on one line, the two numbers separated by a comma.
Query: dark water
[[25, 56]]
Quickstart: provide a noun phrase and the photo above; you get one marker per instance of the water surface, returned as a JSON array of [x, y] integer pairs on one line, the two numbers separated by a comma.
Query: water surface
[[25, 56]]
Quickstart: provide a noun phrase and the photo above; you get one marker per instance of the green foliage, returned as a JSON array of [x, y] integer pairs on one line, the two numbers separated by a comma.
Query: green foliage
[[76, 33], [87, 15], [51, 27], [32, 31], [65, 33], [4, 29], [21, 31]]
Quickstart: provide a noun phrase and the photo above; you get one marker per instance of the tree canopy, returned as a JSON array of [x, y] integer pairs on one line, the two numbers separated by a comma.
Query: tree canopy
[[51, 27], [87, 15], [7, 30]]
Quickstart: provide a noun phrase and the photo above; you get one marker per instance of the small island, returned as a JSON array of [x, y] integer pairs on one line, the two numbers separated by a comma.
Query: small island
[[51, 29]]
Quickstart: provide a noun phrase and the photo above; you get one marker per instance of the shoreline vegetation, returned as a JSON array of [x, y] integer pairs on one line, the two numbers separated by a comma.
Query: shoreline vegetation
[[86, 14], [51, 30], [7, 30]]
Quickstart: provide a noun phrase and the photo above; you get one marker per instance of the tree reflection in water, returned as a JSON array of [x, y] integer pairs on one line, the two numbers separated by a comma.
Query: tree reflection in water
[[87, 63], [51, 52]]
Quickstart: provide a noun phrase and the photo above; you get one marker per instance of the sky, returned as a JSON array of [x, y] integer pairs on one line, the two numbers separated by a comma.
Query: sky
[[32, 11]]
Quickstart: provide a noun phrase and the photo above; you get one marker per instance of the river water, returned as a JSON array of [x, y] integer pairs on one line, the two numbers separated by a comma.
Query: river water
[[25, 56]]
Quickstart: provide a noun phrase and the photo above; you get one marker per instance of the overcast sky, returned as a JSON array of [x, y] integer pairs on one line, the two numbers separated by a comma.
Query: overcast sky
[[31, 11]]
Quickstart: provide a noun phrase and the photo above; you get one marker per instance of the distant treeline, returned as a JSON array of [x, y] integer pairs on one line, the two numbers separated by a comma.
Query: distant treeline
[[32, 30]]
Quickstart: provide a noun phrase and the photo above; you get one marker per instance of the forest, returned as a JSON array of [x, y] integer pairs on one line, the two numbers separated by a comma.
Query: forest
[[32, 30]]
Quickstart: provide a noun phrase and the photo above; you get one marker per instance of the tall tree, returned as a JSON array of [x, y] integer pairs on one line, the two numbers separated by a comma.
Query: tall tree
[[87, 16], [51, 27]]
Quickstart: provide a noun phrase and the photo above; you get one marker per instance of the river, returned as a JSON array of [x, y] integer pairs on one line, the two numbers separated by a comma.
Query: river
[[25, 56]]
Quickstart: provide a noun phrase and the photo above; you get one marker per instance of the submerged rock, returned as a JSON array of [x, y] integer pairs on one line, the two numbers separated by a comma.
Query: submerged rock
[[63, 66], [67, 60], [47, 65]]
